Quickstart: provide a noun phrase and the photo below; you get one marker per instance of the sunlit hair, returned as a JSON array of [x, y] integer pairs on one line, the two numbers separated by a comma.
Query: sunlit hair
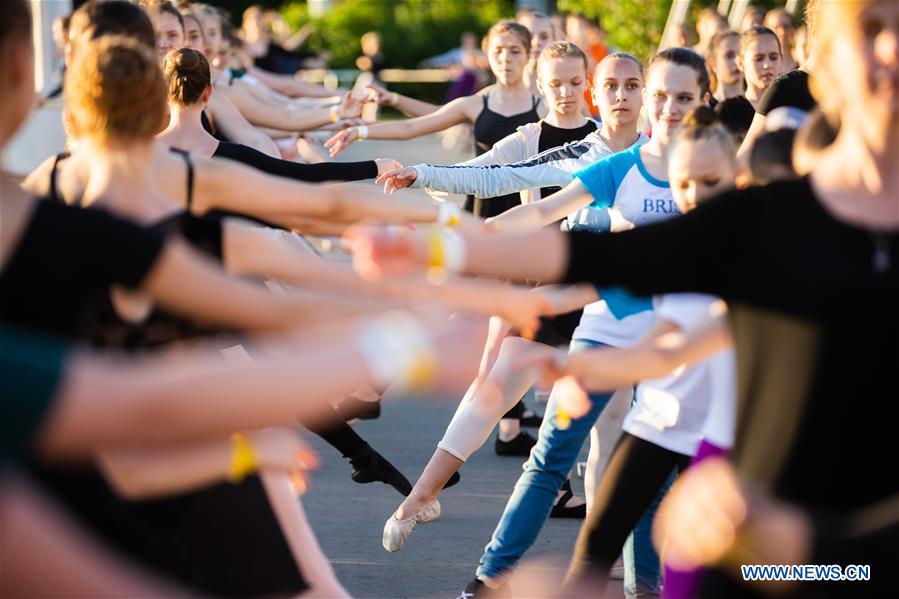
[[511, 27], [97, 18], [186, 74], [757, 31], [560, 50], [620, 56], [702, 124], [155, 8], [185, 15], [715, 42], [114, 91]]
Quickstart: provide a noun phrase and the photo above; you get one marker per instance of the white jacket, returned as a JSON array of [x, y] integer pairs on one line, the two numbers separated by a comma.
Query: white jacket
[[486, 177]]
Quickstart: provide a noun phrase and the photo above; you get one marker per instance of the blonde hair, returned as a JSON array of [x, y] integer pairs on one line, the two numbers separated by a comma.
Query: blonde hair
[[702, 124], [508, 26], [560, 50], [114, 90]]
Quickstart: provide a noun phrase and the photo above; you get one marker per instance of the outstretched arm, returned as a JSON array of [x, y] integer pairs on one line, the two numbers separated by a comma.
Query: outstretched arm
[[553, 208], [235, 127], [552, 168], [456, 112]]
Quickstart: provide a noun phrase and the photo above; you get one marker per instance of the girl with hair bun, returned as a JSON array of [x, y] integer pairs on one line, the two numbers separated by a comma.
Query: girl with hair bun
[[189, 89], [625, 190], [809, 269], [669, 420]]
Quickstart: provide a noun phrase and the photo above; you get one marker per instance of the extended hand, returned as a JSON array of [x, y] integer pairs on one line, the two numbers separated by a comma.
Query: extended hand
[[397, 178]]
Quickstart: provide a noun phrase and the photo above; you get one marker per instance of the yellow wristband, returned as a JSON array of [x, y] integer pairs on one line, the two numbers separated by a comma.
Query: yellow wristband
[[243, 459], [333, 114], [436, 254]]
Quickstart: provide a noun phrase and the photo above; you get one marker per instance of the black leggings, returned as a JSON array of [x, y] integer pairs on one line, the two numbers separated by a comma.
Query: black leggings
[[636, 472], [340, 435]]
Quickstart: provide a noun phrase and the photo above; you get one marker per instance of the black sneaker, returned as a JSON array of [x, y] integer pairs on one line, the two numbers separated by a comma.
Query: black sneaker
[[370, 466], [476, 589], [530, 419], [519, 446]]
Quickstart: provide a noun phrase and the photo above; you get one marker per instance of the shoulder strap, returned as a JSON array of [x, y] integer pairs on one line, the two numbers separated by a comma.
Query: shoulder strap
[[536, 101], [54, 190], [190, 176]]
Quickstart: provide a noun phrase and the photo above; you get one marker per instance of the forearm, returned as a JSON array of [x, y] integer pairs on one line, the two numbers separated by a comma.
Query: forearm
[[146, 472], [487, 181], [106, 402], [412, 107]]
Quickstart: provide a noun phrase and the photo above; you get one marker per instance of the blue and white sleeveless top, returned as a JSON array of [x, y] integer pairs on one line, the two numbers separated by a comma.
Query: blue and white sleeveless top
[[624, 194]]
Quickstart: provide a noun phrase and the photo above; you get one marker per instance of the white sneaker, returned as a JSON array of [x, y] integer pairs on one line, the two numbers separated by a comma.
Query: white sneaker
[[397, 531]]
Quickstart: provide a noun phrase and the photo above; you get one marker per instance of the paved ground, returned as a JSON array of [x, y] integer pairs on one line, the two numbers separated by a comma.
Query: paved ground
[[441, 556]]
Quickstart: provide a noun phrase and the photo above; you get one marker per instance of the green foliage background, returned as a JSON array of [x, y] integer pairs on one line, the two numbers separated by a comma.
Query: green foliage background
[[412, 30]]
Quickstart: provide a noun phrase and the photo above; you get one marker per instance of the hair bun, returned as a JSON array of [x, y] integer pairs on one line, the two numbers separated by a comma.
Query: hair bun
[[701, 116]]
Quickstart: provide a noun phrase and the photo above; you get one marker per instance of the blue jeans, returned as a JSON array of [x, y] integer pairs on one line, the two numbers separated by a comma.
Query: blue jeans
[[537, 488]]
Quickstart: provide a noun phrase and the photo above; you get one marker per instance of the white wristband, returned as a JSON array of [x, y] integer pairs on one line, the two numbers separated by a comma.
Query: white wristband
[[361, 132], [453, 252], [397, 349], [448, 214]]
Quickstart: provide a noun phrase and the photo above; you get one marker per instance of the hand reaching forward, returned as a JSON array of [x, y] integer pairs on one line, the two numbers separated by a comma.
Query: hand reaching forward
[[397, 179]]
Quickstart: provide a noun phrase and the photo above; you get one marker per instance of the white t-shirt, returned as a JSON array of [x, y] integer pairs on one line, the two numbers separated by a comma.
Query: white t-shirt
[[672, 411], [720, 424], [623, 192]]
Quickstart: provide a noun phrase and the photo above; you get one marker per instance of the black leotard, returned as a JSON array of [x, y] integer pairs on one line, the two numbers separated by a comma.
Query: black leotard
[[191, 536], [813, 304], [489, 128], [322, 171]]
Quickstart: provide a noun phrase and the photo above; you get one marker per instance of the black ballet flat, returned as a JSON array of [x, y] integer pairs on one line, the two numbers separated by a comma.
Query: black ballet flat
[[370, 466], [560, 510], [520, 446]]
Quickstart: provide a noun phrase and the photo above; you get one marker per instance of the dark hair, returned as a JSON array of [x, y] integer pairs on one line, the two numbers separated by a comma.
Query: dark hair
[[97, 18], [186, 75], [508, 26], [157, 7], [702, 123], [736, 115], [770, 152], [16, 21], [818, 132], [754, 32], [685, 58]]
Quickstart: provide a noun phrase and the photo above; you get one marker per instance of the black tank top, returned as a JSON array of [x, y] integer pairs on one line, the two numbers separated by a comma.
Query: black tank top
[[173, 534], [489, 128], [106, 328]]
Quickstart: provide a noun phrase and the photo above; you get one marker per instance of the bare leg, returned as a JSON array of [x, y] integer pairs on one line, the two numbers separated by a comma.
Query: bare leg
[[471, 426], [509, 428], [307, 553]]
